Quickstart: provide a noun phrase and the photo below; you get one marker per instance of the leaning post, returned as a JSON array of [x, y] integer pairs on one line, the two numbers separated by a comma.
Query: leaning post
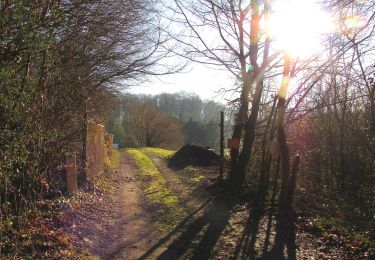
[[221, 145]]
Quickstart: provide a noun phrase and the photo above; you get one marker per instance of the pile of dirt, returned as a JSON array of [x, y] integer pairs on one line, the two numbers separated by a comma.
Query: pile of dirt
[[193, 155]]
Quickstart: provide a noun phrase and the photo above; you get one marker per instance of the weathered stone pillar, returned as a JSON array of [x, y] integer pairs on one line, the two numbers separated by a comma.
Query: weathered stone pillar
[[108, 144], [95, 149]]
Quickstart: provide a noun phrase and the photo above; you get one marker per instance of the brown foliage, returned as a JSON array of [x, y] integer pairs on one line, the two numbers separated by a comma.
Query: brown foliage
[[151, 127]]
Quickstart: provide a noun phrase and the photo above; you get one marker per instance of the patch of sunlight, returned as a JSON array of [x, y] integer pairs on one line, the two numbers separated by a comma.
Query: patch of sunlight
[[194, 174], [164, 153], [157, 191], [113, 161], [197, 179], [143, 163]]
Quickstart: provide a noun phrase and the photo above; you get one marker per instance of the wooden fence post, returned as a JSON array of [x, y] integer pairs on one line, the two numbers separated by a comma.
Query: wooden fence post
[[221, 145]]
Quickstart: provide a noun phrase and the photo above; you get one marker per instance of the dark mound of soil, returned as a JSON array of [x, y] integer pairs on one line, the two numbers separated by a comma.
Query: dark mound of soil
[[193, 155]]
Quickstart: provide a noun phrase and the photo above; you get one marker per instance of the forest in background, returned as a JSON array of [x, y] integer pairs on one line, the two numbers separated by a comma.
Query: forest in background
[[194, 121]]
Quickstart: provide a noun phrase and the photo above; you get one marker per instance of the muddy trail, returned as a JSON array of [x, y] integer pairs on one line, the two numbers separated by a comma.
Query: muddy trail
[[123, 223]]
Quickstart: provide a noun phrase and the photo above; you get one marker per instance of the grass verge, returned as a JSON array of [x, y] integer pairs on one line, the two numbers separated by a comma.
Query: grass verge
[[164, 153], [157, 191]]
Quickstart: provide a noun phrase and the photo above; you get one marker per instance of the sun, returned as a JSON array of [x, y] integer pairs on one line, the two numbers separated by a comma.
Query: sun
[[297, 26]]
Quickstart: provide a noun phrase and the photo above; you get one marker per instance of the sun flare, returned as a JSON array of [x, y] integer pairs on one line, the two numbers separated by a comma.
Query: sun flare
[[298, 25]]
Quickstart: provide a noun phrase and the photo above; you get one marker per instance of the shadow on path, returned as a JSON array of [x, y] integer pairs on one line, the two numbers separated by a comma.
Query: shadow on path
[[245, 248], [211, 222], [197, 235]]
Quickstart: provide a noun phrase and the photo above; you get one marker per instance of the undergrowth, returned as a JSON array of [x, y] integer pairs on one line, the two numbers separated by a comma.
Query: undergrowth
[[157, 191], [32, 235], [334, 233]]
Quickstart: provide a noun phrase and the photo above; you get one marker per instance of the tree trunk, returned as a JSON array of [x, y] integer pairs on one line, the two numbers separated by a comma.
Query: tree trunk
[[249, 137], [281, 221], [239, 161], [238, 127]]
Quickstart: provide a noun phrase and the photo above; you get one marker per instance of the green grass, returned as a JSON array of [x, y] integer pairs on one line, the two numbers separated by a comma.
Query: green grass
[[159, 151], [194, 174], [157, 191], [197, 179]]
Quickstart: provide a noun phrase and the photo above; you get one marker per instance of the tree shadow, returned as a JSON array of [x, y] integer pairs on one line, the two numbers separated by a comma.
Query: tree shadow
[[268, 233], [256, 240], [199, 234], [263, 213], [245, 248], [211, 223], [181, 225]]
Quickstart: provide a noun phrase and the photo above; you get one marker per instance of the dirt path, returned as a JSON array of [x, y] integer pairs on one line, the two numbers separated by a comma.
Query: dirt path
[[116, 224], [190, 195], [119, 224], [137, 233], [222, 228]]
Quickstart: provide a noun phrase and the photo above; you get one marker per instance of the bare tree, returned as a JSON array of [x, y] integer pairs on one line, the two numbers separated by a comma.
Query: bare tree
[[151, 128], [238, 51]]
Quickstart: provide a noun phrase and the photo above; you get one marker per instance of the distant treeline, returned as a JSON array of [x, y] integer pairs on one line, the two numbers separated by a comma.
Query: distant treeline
[[198, 119]]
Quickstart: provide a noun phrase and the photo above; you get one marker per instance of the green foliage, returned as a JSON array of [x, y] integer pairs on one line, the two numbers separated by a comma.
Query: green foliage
[[115, 127], [194, 173], [24, 61], [47, 82], [27, 61]]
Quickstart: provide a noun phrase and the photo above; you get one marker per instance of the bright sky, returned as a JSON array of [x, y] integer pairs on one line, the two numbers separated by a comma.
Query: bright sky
[[296, 25], [199, 79]]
